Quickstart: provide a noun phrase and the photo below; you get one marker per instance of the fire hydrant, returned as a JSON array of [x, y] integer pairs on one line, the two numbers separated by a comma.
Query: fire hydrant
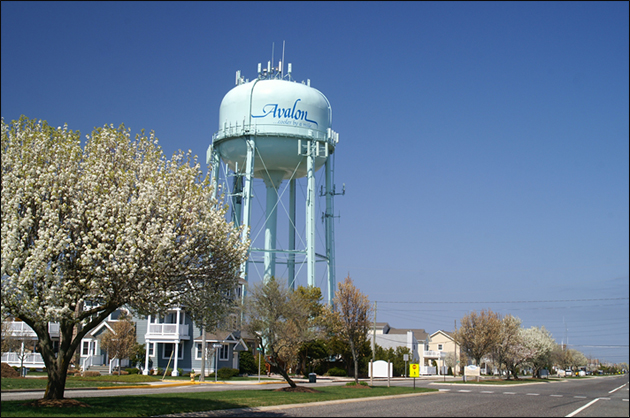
[[192, 375]]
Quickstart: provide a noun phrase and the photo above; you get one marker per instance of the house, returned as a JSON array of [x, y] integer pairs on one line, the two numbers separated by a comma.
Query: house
[[164, 336], [176, 332], [388, 337], [425, 348], [22, 351], [439, 347]]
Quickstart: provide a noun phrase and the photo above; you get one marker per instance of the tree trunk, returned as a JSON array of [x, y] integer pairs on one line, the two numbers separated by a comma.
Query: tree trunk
[[286, 377], [281, 369], [355, 361]]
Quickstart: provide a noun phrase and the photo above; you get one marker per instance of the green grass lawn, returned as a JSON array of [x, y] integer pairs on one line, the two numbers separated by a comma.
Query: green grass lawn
[[72, 382], [148, 405], [101, 381]]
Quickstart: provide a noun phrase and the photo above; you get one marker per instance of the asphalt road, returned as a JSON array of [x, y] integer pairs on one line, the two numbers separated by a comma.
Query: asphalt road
[[597, 396]]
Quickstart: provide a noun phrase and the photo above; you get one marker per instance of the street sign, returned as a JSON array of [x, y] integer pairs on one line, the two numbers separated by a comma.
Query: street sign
[[406, 357], [414, 370]]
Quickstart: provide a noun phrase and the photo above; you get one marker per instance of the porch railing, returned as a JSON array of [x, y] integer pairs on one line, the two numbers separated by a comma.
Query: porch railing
[[168, 330], [20, 329], [88, 361], [30, 359], [434, 354]]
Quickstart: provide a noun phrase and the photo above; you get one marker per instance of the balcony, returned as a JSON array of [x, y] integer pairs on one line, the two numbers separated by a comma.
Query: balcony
[[30, 360], [169, 332], [434, 354], [19, 329]]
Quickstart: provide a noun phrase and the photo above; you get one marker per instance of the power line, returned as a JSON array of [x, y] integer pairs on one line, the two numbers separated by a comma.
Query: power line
[[509, 301]]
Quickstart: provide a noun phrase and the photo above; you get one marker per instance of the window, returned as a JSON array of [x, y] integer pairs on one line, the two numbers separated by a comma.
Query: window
[[86, 348], [151, 349], [198, 351], [167, 350], [439, 347], [223, 352]]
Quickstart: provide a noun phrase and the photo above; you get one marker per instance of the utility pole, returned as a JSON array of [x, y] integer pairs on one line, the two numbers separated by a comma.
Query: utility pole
[[373, 348]]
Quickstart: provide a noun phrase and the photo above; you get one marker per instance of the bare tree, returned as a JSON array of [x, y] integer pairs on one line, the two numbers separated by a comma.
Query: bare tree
[[353, 316], [120, 343], [478, 334], [16, 342], [280, 318], [509, 349]]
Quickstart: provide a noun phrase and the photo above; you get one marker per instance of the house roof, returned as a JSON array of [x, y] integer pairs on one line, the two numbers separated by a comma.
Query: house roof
[[223, 336], [419, 334], [446, 333]]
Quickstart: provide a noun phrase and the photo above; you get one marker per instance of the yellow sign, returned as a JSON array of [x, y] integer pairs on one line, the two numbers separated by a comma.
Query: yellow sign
[[414, 370]]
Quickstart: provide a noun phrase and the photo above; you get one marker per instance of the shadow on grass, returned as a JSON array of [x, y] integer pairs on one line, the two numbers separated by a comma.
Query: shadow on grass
[[119, 406]]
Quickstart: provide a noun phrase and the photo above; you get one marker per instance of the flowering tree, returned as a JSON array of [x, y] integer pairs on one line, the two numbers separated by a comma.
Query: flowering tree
[[509, 349], [541, 345], [354, 316], [87, 230]]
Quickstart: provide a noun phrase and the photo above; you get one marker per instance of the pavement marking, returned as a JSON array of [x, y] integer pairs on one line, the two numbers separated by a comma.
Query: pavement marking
[[556, 396], [462, 390], [444, 390], [580, 397], [605, 399], [487, 391], [509, 393], [583, 407], [532, 394], [614, 390]]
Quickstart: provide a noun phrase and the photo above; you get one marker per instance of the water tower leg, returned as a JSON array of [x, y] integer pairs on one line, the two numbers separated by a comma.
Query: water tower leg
[[291, 260], [247, 194], [310, 213], [237, 199], [272, 181], [330, 230], [213, 161]]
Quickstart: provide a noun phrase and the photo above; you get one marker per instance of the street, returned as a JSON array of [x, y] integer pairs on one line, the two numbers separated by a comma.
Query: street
[[601, 397]]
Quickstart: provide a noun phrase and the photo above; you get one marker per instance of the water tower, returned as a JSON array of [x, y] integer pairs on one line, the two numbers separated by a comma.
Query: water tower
[[275, 129]]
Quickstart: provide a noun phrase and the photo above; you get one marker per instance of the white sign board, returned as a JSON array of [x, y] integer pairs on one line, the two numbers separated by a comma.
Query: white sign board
[[472, 371], [380, 369]]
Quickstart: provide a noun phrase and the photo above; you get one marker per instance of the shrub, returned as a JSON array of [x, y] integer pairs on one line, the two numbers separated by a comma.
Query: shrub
[[336, 371], [91, 374], [132, 370], [227, 373], [247, 363], [160, 371], [449, 371], [180, 371], [354, 384]]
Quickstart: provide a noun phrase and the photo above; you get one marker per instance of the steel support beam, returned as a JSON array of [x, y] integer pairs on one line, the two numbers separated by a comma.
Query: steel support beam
[[310, 213]]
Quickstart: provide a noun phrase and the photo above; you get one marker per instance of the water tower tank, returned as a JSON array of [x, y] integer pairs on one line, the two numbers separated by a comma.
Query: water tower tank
[[282, 115], [276, 129]]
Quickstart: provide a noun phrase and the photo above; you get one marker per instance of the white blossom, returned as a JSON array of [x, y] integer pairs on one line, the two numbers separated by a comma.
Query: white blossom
[[111, 224]]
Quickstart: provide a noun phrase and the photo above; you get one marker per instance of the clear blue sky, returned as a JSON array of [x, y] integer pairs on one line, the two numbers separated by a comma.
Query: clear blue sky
[[484, 146]]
